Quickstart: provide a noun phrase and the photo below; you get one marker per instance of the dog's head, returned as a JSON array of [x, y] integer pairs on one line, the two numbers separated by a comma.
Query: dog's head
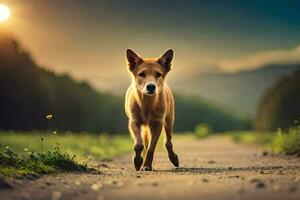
[[149, 73]]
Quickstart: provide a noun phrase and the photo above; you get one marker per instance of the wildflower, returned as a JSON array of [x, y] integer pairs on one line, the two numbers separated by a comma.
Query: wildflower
[[7, 147], [49, 116], [25, 149], [54, 132]]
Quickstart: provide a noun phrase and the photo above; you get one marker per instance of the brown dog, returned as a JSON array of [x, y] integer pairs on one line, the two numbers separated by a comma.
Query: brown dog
[[149, 106]]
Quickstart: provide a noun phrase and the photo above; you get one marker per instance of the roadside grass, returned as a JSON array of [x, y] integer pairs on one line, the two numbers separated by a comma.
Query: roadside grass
[[41, 152], [40, 163], [287, 142]]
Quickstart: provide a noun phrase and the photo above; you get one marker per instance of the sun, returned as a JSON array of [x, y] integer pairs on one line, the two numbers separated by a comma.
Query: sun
[[4, 13]]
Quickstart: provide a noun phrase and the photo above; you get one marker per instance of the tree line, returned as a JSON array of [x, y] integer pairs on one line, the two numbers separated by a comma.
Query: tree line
[[280, 105], [29, 93]]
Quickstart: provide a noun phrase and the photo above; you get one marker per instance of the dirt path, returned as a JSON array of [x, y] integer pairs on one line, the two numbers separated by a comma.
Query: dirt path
[[214, 168]]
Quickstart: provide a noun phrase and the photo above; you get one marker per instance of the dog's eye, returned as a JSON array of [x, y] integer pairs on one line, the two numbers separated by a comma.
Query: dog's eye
[[158, 75], [142, 74]]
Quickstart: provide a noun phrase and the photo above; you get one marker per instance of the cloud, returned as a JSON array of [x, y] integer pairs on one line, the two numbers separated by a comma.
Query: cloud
[[259, 59]]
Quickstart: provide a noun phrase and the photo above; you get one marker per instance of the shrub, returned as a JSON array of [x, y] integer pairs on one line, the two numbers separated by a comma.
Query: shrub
[[287, 142], [291, 142], [202, 130]]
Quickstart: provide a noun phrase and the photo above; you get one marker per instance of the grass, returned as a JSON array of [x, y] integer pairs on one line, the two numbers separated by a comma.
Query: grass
[[40, 163], [287, 142], [37, 152]]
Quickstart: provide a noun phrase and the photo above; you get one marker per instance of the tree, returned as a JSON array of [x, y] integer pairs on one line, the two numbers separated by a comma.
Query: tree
[[280, 105]]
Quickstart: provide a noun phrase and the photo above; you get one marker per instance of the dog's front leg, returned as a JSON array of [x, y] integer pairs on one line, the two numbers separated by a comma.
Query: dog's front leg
[[155, 128], [135, 130]]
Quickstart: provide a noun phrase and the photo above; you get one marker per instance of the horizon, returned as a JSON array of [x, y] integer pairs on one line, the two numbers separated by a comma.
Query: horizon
[[80, 38]]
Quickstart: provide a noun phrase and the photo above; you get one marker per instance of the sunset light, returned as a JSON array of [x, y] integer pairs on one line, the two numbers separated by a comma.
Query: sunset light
[[4, 13], [146, 99]]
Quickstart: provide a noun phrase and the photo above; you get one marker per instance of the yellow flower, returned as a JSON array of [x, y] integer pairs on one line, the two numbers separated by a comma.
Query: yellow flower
[[49, 116]]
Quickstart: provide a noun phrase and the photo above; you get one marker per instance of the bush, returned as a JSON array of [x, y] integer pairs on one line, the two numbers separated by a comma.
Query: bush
[[287, 142], [291, 142], [202, 130]]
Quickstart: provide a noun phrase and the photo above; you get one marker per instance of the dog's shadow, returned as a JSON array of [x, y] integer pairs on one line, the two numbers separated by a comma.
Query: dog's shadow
[[214, 170]]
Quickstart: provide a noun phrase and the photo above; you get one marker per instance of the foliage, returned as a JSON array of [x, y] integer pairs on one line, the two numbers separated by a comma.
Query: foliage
[[287, 142], [280, 107], [291, 142], [202, 131]]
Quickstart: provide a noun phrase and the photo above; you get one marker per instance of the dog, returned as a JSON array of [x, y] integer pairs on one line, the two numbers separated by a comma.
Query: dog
[[149, 105]]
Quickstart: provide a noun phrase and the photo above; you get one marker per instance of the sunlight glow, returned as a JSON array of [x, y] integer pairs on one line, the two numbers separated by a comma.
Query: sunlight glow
[[4, 13]]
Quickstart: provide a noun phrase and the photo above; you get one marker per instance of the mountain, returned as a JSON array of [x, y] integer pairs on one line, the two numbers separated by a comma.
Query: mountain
[[29, 93], [238, 91]]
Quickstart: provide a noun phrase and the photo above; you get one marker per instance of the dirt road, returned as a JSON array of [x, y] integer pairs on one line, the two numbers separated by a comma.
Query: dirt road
[[214, 168]]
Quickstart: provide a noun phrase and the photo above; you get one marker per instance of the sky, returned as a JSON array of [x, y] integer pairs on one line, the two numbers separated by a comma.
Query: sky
[[88, 39]]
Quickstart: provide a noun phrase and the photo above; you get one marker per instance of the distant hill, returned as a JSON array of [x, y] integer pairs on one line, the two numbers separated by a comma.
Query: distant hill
[[239, 91], [192, 110], [279, 107], [29, 93]]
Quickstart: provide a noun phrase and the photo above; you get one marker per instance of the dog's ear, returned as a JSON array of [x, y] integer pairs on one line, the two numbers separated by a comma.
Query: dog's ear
[[166, 60], [133, 59]]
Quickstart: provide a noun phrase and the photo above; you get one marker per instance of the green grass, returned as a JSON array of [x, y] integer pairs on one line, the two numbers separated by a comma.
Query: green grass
[[287, 142], [37, 152], [40, 163]]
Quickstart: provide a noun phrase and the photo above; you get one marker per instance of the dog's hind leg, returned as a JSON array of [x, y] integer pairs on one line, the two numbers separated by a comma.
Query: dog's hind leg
[[168, 141], [135, 130]]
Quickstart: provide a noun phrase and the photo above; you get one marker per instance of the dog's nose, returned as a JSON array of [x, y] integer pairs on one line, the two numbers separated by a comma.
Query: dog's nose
[[151, 87]]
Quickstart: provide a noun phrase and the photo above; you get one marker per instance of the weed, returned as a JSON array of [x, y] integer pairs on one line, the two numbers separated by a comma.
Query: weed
[[27, 153], [287, 142], [35, 162]]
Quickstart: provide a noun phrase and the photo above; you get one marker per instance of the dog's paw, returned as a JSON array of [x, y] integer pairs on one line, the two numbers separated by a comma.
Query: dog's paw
[[174, 159], [146, 168], [138, 161]]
